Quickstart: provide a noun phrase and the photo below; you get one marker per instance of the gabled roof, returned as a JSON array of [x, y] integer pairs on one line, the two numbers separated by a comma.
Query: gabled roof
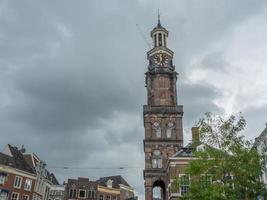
[[12, 157], [53, 179], [261, 137], [117, 180], [186, 151]]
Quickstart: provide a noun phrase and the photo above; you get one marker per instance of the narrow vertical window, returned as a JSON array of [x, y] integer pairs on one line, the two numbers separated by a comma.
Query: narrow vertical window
[[17, 182], [28, 184], [157, 129], [2, 178], [160, 39], [184, 183], [155, 40], [165, 44], [170, 127]]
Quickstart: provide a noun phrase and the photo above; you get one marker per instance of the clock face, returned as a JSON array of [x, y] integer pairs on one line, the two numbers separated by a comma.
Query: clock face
[[161, 59]]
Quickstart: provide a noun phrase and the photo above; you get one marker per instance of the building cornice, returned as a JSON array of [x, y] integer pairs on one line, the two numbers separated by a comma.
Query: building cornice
[[12, 170]]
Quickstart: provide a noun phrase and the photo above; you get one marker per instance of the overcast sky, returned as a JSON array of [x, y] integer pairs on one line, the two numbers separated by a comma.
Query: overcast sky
[[72, 75]]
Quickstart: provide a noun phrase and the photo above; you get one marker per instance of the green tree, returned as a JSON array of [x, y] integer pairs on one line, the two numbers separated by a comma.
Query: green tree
[[227, 166]]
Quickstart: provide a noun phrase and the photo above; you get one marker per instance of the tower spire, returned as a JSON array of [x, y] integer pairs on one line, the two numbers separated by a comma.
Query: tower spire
[[159, 18]]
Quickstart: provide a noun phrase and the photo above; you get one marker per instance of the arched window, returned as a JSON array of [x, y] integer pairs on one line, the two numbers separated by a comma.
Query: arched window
[[155, 40], [157, 129], [170, 127], [156, 159]]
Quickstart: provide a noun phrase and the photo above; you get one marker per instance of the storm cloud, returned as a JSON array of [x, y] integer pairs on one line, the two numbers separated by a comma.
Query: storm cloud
[[72, 75]]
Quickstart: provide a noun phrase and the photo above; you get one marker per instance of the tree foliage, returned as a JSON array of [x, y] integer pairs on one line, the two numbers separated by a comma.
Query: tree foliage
[[227, 166]]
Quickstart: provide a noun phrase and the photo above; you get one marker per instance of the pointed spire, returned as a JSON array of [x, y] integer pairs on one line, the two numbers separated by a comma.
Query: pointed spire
[[159, 18]]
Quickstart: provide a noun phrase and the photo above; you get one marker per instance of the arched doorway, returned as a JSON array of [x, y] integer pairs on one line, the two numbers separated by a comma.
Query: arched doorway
[[159, 190]]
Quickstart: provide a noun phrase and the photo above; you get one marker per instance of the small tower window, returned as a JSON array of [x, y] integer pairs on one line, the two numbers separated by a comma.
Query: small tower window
[[157, 129], [165, 44], [155, 40], [157, 160], [160, 39], [170, 127]]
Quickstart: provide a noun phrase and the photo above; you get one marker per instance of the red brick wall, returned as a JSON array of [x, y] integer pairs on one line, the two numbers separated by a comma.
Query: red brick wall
[[9, 185]]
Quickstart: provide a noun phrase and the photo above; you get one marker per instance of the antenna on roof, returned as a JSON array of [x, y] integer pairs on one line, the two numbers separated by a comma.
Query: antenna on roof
[[143, 36]]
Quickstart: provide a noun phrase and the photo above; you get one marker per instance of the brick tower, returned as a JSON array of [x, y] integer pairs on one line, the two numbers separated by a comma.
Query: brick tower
[[162, 115]]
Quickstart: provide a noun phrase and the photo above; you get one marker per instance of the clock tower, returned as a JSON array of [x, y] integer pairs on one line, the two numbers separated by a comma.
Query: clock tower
[[162, 114]]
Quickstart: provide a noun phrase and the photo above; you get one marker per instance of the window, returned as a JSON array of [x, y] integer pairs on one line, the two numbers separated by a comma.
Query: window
[[184, 183], [28, 184], [165, 43], [72, 193], [156, 160], [91, 194], [109, 183], [157, 129], [108, 197], [2, 178], [114, 198], [17, 182], [206, 180], [101, 197], [25, 197], [15, 196], [3, 194], [160, 39], [170, 126], [82, 193], [155, 40]]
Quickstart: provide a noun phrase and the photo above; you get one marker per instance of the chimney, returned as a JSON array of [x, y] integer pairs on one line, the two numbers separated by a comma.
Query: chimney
[[195, 135], [23, 149]]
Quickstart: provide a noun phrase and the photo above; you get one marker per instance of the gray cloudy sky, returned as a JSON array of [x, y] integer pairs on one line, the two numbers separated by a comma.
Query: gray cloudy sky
[[72, 74]]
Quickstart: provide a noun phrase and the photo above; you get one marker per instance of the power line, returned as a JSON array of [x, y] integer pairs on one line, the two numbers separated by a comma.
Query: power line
[[143, 36], [95, 168]]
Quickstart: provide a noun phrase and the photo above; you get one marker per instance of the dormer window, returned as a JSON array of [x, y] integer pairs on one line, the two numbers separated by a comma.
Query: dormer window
[[109, 183]]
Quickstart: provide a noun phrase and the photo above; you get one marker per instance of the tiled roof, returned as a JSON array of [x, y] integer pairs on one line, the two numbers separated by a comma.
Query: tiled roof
[[15, 160], [186, 151], [117, 180], [261, 137]]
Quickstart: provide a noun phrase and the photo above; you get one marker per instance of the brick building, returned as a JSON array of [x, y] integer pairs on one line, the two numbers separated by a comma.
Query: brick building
[[165, 155], [106, 188], [17, 178], [162, 114], [114, 188], [57, 192], [81, 188], [44, 179]]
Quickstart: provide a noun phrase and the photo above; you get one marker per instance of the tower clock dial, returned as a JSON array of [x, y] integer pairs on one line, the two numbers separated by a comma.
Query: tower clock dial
[[161, 59]]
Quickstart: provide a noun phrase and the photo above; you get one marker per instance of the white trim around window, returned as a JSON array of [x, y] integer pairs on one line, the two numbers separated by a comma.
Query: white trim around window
[[28, 185], [17, 182], [15, 196], [25, 197]]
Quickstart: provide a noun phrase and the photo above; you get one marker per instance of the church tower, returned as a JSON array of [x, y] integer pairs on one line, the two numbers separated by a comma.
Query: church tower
[[162, 114]]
